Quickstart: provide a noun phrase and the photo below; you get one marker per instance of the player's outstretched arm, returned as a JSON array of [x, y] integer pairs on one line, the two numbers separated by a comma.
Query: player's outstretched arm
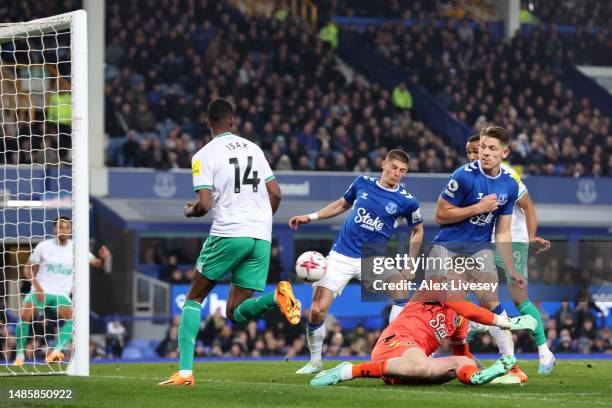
[[201, 206], [335, 208], [532, 223], [275, 194], [447, 213], [99, 261]]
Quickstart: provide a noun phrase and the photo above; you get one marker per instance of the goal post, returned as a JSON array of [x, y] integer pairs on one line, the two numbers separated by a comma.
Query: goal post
[[79, 364], [45, 169]]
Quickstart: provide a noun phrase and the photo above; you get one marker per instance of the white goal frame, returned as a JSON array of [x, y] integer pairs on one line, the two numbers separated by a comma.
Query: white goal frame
[[77, 22]]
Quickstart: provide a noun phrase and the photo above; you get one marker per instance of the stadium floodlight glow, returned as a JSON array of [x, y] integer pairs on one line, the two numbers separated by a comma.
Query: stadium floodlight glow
[[43, 73]]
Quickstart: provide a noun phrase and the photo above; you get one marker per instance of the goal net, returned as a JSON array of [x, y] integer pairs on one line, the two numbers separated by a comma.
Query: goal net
[[44, 325]]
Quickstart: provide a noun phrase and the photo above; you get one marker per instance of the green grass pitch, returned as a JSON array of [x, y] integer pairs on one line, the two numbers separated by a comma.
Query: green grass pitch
[[585, 383]]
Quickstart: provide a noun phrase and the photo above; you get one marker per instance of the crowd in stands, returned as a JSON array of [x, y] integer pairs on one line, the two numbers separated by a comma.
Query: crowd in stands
[[518, 85], [291, 94], [571, 12], [293, 98], [392, 9], [166, 59], [36, 103], [569, 330]]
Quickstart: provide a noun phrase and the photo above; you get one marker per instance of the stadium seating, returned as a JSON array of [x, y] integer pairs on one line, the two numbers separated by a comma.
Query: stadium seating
[[156, 94], [292, 97], [519, 85], [132, 353], [585, 12]]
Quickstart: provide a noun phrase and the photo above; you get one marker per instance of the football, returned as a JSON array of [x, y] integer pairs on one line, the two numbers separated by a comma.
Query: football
[[310, 266]]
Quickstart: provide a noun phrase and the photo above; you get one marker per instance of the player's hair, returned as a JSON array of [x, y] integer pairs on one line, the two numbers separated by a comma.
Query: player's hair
[[61, 218], [398, 154], [474, 138], [497, 132], [220, 110]]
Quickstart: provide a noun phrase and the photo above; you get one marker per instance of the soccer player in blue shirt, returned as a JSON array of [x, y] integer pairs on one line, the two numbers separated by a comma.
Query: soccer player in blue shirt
[[478, 197], [378, 206], [524, 233]]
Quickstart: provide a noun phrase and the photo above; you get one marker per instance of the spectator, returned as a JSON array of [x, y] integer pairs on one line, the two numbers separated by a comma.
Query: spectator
[[276, 265], [402, 98], [565, 343], [168, 348], [130, 149], [115, 338], [329, 34], [177, 277]]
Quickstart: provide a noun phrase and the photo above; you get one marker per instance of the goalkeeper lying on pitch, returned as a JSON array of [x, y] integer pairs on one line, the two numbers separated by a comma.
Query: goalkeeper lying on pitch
[[401, 355]]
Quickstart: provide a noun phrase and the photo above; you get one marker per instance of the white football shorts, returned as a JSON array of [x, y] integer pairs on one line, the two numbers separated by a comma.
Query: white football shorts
[[340, 270]]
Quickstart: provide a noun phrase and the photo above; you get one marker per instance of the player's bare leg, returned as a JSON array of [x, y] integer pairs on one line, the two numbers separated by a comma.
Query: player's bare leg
[[64, 334], [188, 329], [414, 367], [22, 332], [322, 299]]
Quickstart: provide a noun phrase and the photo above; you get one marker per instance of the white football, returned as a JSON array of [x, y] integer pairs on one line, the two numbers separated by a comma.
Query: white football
[[310, 266]]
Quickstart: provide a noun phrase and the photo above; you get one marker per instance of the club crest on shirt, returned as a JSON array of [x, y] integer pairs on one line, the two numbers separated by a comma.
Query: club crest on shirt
[[502, 199], [391, 208]]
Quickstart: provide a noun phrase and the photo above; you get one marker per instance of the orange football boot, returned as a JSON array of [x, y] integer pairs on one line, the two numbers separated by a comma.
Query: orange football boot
[[176, 379], [519, 373], [55, 357], [285, 299]]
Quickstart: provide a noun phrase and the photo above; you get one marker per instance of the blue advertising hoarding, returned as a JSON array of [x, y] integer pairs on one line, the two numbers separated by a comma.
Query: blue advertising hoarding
[[322, 186]]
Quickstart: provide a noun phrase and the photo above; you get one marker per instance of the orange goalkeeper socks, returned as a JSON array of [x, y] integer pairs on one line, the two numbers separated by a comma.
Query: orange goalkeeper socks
[[465, 374], [371, 369]]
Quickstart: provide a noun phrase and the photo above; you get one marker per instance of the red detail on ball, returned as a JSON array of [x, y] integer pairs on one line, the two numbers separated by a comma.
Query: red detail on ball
[[309, 264]]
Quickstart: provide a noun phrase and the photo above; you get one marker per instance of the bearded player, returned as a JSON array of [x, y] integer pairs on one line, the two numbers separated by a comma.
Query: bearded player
[[379, 204], [402, 353], [524, 231], [50, 271]]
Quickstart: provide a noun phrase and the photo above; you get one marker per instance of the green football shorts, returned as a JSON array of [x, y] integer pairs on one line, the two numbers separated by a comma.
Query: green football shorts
[[248, 259], [49, 300], [520, 255]]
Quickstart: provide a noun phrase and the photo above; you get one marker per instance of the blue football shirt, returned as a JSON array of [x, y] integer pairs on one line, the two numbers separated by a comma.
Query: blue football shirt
[[377, 211], [466, 186]]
